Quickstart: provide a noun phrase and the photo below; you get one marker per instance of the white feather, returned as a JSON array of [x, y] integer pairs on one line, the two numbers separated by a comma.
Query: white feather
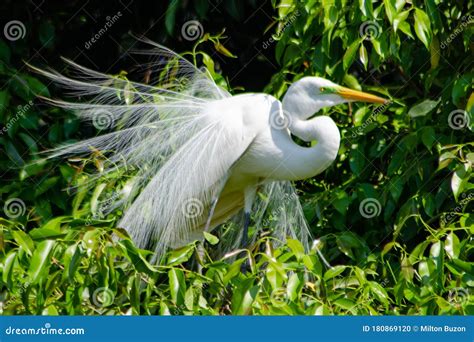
[[192, 145]]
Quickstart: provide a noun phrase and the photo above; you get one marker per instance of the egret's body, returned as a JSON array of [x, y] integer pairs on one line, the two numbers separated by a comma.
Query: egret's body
[[202, 147], [270, 152]]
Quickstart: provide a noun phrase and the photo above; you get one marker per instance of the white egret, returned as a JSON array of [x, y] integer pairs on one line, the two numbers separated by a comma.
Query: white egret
[[201, 155]]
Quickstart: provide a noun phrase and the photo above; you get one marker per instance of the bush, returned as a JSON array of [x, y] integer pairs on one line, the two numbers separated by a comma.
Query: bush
[[393, 213]]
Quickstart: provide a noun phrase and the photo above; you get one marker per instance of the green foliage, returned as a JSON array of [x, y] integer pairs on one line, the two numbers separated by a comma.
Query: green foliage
[[393, 214], [66, 267]]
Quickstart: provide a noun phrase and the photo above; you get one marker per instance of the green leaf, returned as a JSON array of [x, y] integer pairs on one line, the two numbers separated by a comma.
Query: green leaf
[[170, 15], [294, 287], [4, 101], [189, 299], [422, 27], [341, 202], [405, 28], [350, 54], [423, 108], [296, 247], [379, 292], [459, 180], [243, 297], [400, 19], [390, 10], [74, 263], [351, 82], [428, 136], [177, 286], [137, 259], [8, 263], [460, 88], [360, 115], [223, 50], [363, 56], [357, 160], [345, 303], [40, 261], [5, 53], [445, 159], [36, 86], [45, 185], [212, 239], [366, 8], [45, 233], [24, 241], [180, 255], [334, 272], [452, 246]]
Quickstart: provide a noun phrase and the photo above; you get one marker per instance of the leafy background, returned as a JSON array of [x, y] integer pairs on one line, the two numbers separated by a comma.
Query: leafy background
[[393, 214]]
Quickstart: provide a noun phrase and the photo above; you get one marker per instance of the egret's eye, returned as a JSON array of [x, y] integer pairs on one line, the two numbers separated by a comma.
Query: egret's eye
[[322, 89]]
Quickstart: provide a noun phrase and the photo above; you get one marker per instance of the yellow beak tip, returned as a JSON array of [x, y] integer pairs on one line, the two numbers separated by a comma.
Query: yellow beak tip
[[355, 95]]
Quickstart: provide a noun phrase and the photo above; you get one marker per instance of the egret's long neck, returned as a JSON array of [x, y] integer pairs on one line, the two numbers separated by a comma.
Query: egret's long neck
[[304, 162]]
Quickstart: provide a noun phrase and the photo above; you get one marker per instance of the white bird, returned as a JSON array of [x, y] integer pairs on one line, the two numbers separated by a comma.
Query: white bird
[[199, 156]]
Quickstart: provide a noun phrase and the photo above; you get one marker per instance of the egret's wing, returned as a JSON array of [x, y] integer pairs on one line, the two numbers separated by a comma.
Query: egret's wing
[[174, 206], [180, 157]]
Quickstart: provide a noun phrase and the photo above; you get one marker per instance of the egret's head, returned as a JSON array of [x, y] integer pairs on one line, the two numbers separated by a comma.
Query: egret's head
[[309, 94]]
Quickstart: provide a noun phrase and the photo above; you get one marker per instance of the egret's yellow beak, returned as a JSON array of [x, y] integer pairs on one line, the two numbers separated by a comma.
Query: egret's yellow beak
[[355, 95]]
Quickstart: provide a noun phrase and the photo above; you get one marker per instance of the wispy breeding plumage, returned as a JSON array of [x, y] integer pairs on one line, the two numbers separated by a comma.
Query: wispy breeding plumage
[[200, 156]]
